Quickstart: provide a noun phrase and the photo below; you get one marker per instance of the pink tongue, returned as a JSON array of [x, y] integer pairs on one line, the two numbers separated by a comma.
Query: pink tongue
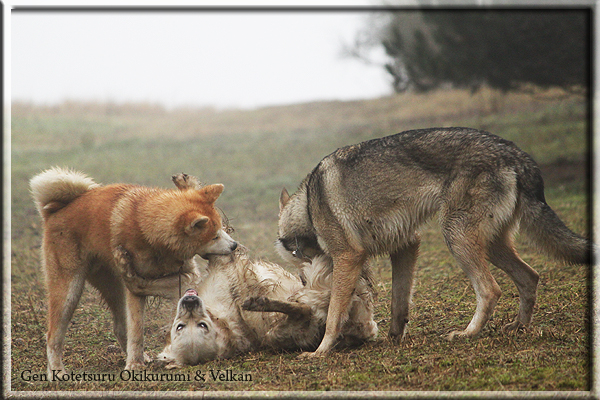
[[191, 292]]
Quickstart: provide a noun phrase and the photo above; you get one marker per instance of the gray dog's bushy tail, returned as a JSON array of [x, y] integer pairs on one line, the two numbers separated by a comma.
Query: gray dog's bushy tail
[[546, 230]]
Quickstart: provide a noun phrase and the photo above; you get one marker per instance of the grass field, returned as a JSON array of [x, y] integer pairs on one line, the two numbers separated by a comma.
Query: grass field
[[254, 154]]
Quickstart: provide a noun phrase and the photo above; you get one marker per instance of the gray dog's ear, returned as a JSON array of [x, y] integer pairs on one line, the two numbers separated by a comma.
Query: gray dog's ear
[[283, 198]]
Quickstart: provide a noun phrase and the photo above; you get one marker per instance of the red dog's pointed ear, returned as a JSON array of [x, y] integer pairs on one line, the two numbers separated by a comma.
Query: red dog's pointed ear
[[197, 224], [212, 192], [283, 198]]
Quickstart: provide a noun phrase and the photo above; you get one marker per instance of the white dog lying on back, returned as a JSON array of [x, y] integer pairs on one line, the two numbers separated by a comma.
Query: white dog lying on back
[[241, 305]]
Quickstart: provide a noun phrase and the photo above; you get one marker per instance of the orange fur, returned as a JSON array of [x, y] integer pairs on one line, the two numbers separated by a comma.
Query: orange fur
[[86, 224]]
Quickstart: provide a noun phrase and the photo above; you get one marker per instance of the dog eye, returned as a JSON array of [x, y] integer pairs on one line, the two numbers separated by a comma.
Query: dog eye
[[179, 327], [203, 326], [289, 244], [216, 238]]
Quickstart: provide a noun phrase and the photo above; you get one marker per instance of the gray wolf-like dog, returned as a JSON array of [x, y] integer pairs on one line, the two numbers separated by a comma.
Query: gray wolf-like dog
[[372, 197]]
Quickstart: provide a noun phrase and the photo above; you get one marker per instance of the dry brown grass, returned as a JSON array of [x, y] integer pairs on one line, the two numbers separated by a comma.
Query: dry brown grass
[[378, 116]]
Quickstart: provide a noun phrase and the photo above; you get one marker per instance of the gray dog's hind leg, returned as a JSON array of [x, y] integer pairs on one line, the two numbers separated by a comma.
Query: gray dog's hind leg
[[503, 255], [403, 267]]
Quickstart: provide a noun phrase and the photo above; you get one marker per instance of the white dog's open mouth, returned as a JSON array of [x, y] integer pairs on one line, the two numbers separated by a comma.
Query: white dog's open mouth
[[190, 292], [190, 303]]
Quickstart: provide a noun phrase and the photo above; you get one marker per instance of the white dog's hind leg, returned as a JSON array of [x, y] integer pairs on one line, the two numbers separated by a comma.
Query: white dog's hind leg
[[264, 304]]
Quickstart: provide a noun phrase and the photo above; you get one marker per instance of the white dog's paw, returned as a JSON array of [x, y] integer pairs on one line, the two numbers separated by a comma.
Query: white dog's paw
[[173, 365], [124, 261], [135, 366]]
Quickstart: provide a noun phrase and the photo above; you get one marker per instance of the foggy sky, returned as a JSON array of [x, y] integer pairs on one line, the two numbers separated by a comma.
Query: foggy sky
[[192, 58]]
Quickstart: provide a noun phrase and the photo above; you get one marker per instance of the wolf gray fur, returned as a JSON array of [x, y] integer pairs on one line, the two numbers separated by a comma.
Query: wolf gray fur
[[371, 198]]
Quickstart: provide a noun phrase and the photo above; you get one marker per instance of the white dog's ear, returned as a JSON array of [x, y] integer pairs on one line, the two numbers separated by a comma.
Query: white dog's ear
[[167, 357], [283, 199], [173, 365]]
